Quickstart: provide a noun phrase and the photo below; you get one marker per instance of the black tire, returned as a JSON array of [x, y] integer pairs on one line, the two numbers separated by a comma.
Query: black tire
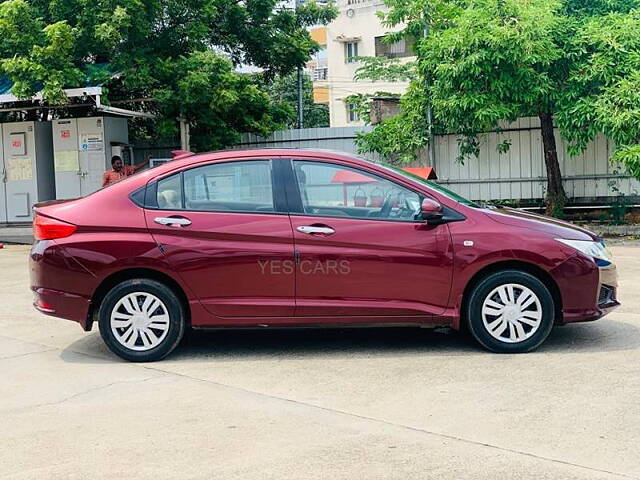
[[174, 310], [488, 285]]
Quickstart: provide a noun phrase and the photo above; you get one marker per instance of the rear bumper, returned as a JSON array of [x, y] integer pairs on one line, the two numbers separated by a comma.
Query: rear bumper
[[63, 305], [57, 283]]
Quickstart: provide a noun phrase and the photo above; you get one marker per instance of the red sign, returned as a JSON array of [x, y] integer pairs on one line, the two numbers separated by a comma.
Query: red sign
[[16, 144], [65, 133]]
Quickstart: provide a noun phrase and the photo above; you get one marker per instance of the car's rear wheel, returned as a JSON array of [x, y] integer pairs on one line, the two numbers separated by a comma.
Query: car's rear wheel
[[141, 320], [510, 311]]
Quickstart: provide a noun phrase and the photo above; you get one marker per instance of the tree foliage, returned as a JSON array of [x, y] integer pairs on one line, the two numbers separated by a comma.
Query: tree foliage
[[572, 63], [284, 90], [406, 141], [180, 55]]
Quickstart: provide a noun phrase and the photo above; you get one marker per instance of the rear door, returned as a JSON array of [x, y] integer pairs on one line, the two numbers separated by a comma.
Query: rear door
[[224, 229], [362, 249]]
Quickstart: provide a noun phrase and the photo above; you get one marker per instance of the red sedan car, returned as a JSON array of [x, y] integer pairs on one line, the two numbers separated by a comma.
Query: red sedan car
[[271, 238]]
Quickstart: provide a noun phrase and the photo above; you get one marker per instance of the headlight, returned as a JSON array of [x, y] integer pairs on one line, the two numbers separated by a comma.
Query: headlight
[[596, 250]]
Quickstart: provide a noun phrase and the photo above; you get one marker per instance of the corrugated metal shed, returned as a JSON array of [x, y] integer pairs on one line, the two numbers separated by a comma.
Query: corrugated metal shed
[[518, 174]]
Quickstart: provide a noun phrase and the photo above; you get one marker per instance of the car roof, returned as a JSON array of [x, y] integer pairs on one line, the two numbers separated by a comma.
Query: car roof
[[187, 160]]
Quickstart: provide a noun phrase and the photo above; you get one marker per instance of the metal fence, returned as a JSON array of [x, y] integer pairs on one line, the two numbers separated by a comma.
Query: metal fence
[[142, 152], [342, 139], [518, 174]]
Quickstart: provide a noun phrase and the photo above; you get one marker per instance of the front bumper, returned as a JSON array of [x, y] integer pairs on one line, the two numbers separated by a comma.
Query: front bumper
[[588, 292], [608, 292]]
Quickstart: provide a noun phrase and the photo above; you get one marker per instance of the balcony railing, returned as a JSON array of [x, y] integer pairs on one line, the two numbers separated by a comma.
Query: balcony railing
[[345, 4], [320, 74]]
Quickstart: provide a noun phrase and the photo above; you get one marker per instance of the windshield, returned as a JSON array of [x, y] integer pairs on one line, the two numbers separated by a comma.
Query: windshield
[[438, 188]]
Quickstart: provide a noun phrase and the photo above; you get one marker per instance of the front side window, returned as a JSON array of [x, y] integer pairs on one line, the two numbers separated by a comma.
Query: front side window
[[332, 190], [233, 186], [438, 188]]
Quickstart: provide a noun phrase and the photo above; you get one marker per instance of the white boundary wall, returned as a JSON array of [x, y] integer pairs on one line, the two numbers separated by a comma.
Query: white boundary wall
[[518, 174]]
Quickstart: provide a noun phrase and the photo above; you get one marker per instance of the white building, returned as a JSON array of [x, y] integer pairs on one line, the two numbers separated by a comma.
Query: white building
[[356, 32]]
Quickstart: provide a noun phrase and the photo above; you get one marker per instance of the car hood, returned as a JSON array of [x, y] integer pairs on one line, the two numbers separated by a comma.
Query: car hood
[[540, 223]]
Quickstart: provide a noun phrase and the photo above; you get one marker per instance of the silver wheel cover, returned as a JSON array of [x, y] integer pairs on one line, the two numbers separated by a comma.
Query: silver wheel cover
[[139, 321], [511, 313]]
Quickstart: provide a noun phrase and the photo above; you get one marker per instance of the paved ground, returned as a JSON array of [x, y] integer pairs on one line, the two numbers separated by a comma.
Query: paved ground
[[16, 234], [370, 404]]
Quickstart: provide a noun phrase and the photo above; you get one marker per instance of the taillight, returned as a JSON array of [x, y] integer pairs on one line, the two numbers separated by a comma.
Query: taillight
[[45, 228], [43, 306]]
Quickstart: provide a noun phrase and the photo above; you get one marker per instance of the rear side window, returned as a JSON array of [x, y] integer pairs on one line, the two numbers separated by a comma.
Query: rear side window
[[234, 186], [169, 193], [223, 187], [138, 196]]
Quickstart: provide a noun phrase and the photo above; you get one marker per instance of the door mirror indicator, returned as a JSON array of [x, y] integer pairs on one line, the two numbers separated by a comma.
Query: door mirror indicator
[[432, 212]]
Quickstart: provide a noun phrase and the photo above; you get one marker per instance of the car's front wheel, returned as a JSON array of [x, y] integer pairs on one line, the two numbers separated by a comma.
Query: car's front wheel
[[141, 320], [510, 311]]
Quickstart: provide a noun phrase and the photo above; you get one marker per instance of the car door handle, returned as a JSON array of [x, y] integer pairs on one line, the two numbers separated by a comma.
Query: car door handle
[[313, 230], [173, 221]]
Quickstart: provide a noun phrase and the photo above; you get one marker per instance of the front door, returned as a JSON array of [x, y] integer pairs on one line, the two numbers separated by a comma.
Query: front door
[[228, 236], [363, 251]]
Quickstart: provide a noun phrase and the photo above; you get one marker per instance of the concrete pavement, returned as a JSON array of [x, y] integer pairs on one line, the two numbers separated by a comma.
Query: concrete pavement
[[20, 234], [374, 404]]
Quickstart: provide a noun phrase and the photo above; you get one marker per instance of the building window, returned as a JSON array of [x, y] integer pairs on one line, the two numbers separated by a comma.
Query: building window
[[402, 48], [352, 114], [320, 73], [350, 51]]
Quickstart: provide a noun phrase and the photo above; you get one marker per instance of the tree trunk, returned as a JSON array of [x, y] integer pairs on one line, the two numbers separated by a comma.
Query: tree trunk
[[556, 197]]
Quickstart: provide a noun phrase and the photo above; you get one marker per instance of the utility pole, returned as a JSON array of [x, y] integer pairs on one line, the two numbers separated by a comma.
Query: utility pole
[[300, 99], [432, 143], [300, 85], [185, 137]]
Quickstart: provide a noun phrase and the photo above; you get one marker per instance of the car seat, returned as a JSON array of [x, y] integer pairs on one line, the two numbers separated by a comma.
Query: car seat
[[169, 199]]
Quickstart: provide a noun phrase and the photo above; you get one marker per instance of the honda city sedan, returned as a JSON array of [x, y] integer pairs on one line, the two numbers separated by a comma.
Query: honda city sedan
[[275, 238]]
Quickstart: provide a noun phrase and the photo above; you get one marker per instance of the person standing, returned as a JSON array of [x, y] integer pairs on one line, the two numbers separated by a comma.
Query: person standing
[[120, 171]]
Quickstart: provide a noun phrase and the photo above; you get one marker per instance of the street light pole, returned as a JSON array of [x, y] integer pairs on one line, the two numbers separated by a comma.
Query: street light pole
[[300, 85], [300, 99]]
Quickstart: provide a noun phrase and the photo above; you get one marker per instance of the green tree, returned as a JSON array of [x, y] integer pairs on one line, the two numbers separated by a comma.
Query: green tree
[[178, 56], [574, 64], [284, 90]]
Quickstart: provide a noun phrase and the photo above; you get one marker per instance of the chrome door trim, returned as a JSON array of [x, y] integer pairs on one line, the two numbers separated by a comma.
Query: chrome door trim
[[173, 221], [311, 230]]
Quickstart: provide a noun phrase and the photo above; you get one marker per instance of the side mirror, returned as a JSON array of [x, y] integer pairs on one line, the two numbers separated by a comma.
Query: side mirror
[[431, 212]]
